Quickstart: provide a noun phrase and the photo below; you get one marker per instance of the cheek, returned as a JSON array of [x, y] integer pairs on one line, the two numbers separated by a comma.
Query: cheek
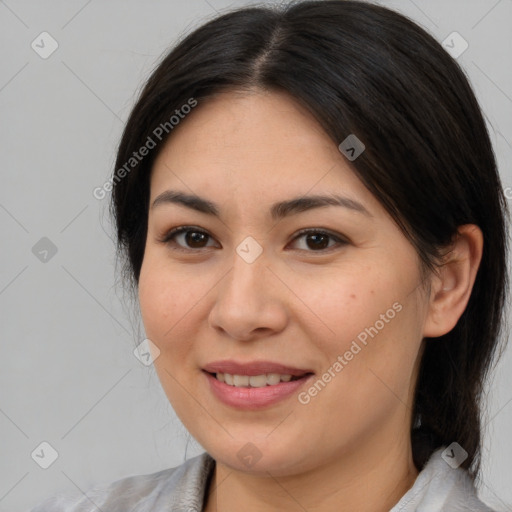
[[372, 380], [157, 304], [167, 309], [378, 353], [165, 297], [373, 322], [346, 304]]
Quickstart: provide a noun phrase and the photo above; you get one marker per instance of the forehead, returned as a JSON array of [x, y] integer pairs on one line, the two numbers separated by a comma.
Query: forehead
[[262, 141], [262, 124]]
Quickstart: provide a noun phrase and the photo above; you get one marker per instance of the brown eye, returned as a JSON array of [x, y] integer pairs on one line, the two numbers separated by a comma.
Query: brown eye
[[317, 241], [195, 238], [187, 237]]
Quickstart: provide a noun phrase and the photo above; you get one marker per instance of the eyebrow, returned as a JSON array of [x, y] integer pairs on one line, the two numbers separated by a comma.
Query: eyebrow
[[277, 211]]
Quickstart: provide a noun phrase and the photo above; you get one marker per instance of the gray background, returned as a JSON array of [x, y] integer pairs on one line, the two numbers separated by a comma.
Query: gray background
[[68, 375]]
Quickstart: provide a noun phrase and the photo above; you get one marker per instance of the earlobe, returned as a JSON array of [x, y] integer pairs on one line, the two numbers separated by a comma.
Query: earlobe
[[452, 285]]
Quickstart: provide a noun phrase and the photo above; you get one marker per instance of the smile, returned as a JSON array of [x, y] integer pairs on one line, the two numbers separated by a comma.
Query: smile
[[241, 394]]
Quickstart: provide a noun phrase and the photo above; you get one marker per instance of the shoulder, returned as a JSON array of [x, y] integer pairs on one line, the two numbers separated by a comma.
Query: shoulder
[[440, 486], [182, 486]]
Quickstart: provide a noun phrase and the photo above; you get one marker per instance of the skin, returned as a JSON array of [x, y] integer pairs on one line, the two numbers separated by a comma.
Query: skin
[[349, 447]]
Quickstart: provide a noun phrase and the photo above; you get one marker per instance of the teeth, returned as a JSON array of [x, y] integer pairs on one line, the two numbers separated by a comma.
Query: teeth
[[258, 381], [254, 381], [240, 380], [273, 378]]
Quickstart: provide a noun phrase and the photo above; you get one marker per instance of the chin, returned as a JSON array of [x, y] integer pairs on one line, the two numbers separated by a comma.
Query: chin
[[260, 457]]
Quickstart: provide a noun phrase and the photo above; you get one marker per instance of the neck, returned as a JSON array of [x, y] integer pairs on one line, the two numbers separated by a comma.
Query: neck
[[371, 479]]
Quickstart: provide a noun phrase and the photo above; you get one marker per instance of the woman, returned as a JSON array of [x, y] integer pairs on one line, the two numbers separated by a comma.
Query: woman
[[313, 221]]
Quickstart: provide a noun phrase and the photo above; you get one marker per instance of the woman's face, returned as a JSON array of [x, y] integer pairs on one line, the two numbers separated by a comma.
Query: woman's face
[[344, 302]]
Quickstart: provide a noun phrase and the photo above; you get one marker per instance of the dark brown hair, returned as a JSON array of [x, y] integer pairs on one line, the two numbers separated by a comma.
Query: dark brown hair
[[366, 70]]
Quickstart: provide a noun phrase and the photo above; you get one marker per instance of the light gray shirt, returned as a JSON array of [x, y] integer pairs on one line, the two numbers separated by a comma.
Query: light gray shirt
[[438, 488]]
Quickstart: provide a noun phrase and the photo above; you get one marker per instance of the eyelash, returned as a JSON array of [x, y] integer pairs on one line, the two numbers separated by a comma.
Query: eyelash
[[168, 238]]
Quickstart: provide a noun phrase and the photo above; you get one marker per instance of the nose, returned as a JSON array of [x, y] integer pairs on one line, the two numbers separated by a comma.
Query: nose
[[250, 301]]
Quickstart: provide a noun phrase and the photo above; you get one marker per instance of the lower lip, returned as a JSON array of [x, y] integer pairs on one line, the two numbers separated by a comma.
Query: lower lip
[[253, 398]]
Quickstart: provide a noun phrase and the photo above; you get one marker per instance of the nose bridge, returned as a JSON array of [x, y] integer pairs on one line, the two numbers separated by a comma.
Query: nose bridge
[[245, 282]]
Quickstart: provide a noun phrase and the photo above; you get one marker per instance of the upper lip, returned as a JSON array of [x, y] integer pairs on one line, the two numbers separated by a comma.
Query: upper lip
[[253, 368]]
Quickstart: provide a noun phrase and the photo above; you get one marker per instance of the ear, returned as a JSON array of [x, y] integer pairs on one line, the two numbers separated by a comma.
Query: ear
[[451, 287]]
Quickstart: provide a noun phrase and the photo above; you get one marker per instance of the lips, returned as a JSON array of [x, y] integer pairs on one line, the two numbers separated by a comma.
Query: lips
[[254, 368], [245, 390]]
